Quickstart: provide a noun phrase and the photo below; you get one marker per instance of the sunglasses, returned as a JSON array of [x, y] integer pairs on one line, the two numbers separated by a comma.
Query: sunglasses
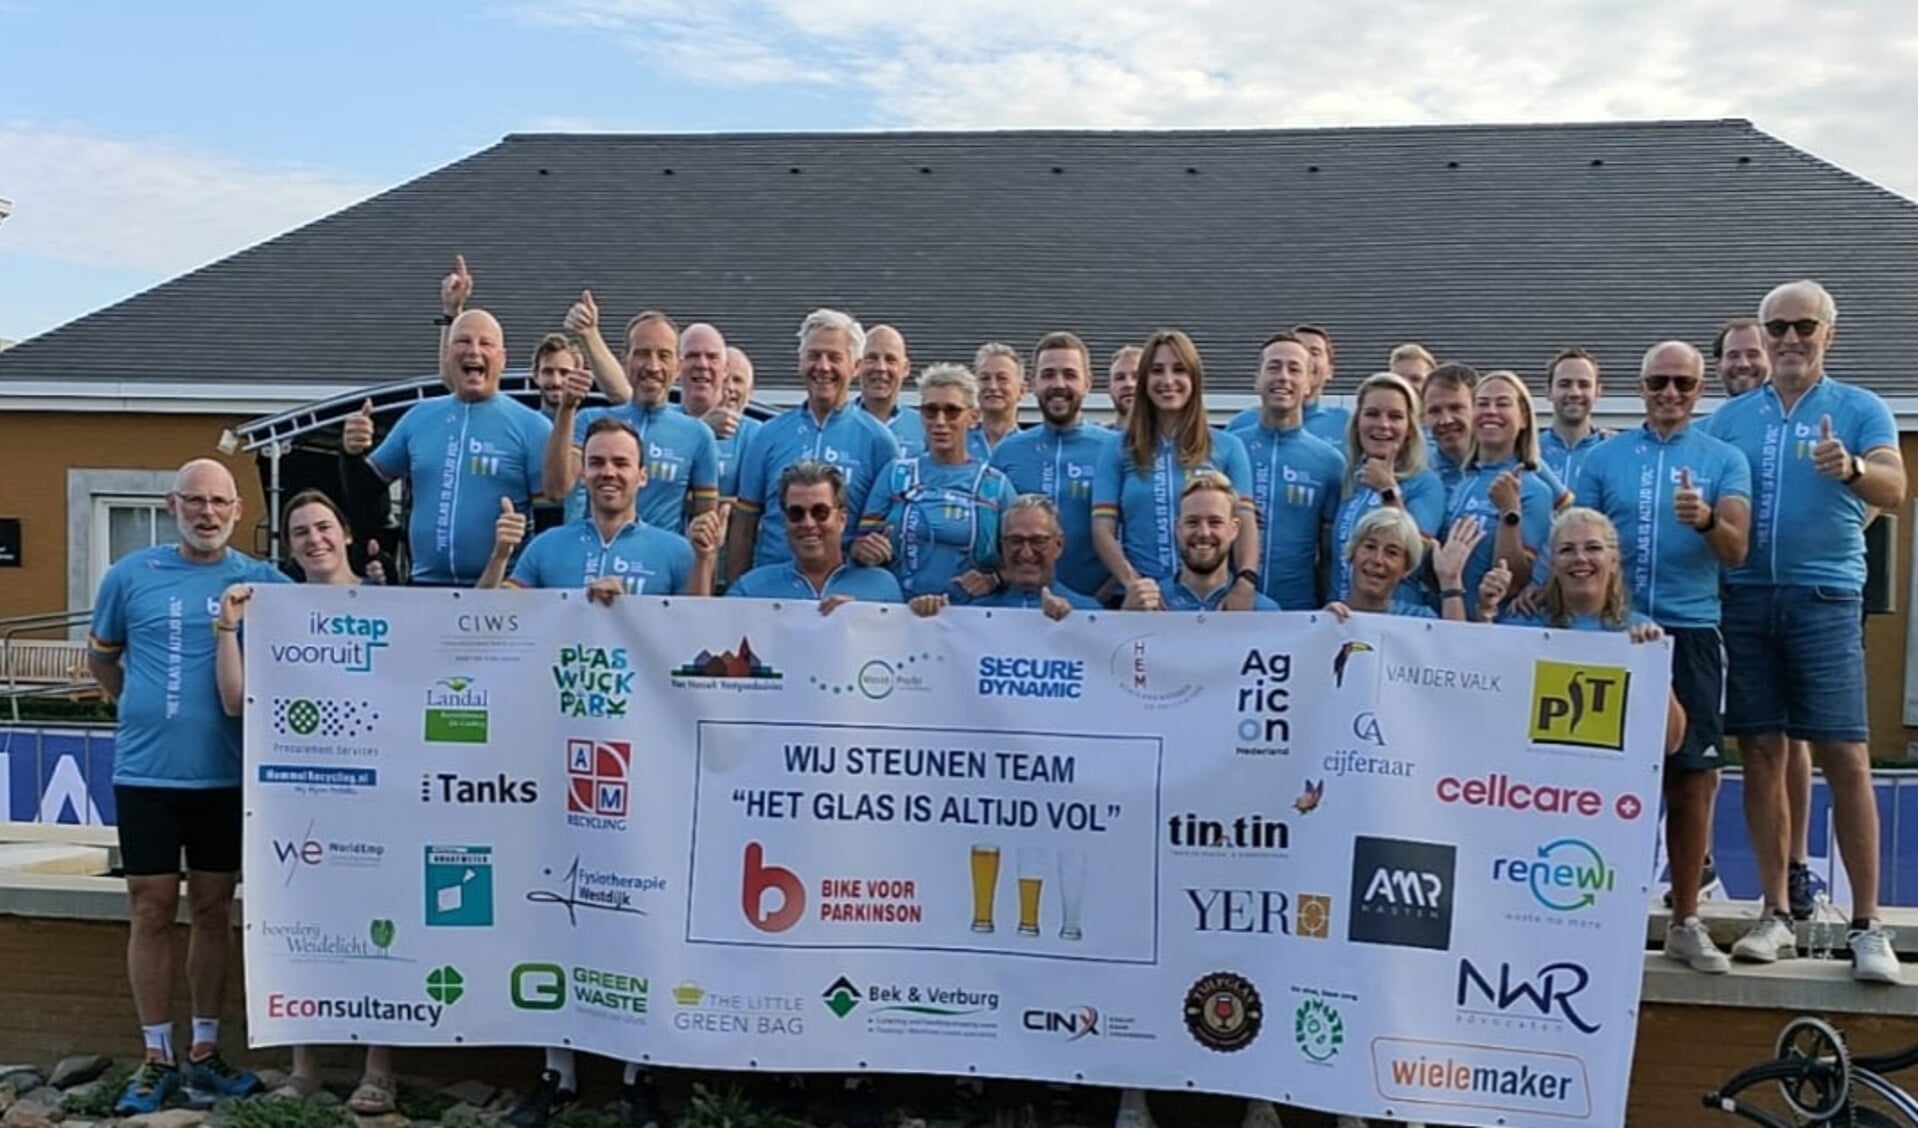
[[1659, 382], [820, 512], [1024, 543], [941, 410], [1778, 326]]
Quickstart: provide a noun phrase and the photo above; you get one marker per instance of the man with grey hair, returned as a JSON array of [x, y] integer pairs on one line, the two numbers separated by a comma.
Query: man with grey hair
[[825, 428], [1681, 501], [1002, 385], [1030, 545], [176, 774], [883, 372], [1822, 454], [730, 416], [812, 496]]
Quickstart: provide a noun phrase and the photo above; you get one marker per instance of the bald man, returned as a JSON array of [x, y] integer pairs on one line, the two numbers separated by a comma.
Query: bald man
[[702, 369], [883, 372], [176, 774], [732, 427], [462, 454]]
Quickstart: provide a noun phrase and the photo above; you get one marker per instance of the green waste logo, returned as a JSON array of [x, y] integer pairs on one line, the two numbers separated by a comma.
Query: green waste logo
[[445, 985], [842, 997], [1319, 1030]]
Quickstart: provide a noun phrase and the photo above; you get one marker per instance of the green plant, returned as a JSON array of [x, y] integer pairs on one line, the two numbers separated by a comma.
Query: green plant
[[281, 1114], [580, 1117], [416, 1103], [464, 1118], [98, 1101], [730, 1109]]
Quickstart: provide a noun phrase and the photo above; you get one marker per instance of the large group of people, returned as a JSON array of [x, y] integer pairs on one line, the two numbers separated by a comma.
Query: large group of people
[[1438, 493]]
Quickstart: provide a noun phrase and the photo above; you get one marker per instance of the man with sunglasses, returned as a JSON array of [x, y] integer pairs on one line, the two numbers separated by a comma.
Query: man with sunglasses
[[1681, 501], [813, 511], [1822, 454]]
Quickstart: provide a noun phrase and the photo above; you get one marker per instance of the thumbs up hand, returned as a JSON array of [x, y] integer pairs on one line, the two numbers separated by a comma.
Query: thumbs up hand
[[357, 437], [375, 568], [1507, 493], [509, 530], [1688, 505], [1829, 455], [456, 288], [583, 317]]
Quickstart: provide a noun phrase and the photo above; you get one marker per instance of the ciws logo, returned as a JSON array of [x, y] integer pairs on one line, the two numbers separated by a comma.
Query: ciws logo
[[760, 880], [597, 788], [456, 712], [592, 681], [1263, 703], [1579, 706], [487, 623], [347, 642], [1072, 1024], [1545, 998], [1402, 893], [501, 789], [1242, 834], [1261, 912], [1023, 676], [1566, 875]]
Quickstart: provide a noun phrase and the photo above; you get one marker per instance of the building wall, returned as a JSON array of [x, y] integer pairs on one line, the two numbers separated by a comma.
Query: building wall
[[37, 449]]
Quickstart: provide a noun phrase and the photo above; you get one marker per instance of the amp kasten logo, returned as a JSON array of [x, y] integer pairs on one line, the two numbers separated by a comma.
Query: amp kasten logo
[[1402, 893]]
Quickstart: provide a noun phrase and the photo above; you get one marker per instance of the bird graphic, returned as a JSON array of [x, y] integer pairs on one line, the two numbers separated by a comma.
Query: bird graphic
[[1309, 799], [457, 685], [1345, 654]]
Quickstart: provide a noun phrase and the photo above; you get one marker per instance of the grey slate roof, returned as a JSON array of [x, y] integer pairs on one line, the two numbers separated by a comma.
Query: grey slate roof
[[1492, 244]]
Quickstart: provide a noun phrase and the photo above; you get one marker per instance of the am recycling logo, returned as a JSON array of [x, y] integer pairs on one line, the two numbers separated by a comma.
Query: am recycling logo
[[1319, 1030]]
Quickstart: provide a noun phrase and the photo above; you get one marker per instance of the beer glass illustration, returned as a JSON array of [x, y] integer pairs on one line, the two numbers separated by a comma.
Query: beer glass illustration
[[1072, 891], [985, 884], [1032, 880]]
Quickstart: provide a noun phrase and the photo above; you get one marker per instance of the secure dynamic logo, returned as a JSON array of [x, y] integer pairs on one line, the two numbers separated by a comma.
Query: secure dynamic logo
[[1579, 706]]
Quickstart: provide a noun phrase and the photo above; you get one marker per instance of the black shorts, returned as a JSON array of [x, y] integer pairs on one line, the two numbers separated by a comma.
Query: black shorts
[[1698, 680], [157, 823]]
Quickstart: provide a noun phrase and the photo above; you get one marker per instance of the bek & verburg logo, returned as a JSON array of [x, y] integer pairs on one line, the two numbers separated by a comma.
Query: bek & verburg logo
[[1580, 707], [348, 642], [592, 681], [456, 712], [843, 996], [459, 886], [597, 787], [740, 670]]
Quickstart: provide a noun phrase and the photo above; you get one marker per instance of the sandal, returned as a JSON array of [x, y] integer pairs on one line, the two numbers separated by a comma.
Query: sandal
[[296, 1089], [374, 1097]]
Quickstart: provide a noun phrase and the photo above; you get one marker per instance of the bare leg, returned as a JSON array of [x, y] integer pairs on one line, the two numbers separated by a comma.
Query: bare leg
[[1767, 818], [154, 904], [1854, 815], [210, 899]]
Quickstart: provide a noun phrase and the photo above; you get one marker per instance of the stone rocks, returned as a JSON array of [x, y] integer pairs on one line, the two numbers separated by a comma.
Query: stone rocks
[[167, 1118], [78, 1068], [270, 1079], [23, 1078], [385, 1120], [475, 1093], [27, 1114], [82, 1095]]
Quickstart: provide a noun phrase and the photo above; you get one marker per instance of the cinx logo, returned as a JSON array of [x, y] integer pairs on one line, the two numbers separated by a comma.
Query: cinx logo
[[1579, 706]]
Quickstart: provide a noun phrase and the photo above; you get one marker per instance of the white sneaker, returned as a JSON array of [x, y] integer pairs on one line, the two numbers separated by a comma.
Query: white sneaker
[[1689, 943], [1872, 960], [1768, 940], [1261, 1114], [1133, 1111]]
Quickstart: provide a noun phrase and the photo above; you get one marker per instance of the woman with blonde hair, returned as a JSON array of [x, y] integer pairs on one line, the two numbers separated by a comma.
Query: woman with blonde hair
[[1385, 453], [1500, 484]]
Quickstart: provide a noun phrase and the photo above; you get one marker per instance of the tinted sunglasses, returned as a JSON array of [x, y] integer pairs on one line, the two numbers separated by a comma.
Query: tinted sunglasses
[[941, 410], [1659, 382], [820, 512], [1805, 326]]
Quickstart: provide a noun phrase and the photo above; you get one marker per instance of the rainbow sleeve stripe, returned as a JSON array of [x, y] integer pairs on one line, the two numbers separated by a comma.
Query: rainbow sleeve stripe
[[104, 648], [704, 493], [1109, 512], [753, 507], [872, 522]]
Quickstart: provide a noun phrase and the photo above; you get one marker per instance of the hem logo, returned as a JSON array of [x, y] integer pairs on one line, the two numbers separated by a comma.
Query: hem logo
[[1494, 1078], [1579, 707]]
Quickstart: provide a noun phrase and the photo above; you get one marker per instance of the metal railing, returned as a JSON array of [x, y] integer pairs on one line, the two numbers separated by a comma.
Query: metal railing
[[12, 657]]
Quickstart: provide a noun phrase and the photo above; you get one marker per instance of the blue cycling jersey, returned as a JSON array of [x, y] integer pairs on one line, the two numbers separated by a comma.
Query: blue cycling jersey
[[1029, 599], [943, 520], [783, 581], [1563, 460], [907, 427], [1178, 597], [155, 612], [1671, 571], [1061, 463], [646, 560], [459, 459], [1295, 485], [1807, 529], [1146, 505], [1328, 423], [1473, 497], [682, 462], [850, 438], [1423, 497], [1541, 618]]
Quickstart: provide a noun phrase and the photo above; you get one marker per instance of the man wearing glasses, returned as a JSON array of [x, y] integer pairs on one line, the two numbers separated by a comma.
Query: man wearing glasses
[[1822, 453], [1681, 501], [176, 774], [812, 503]]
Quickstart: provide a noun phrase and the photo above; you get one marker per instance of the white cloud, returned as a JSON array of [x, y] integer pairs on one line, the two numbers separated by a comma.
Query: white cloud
[[1837, 81], [85, 198]]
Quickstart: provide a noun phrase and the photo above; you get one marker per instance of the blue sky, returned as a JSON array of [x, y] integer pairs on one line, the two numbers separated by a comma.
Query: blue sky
[[139, 140]]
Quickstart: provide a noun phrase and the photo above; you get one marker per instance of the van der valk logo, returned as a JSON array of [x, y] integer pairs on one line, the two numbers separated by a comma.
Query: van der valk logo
[[346, 642]]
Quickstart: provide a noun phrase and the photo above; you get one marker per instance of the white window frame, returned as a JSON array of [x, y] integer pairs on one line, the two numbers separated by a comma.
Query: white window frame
[[87, 490]]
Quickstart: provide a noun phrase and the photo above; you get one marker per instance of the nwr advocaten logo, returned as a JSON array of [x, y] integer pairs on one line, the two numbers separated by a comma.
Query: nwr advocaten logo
[[1579, 706]]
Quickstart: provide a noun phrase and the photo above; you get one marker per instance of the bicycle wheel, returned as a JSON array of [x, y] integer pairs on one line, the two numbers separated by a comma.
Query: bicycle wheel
[[1822, 1091]]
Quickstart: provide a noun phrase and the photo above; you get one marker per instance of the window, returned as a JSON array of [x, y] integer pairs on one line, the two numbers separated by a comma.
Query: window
[[123, 524], [109, 514]]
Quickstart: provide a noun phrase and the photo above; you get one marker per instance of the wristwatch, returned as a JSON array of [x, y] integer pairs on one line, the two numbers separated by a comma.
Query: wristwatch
[[1508, 518], [1249, 576], [1857, 470], [1389, 495]]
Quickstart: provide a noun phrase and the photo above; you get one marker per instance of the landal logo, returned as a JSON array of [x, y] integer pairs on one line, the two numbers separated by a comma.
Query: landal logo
[[459, 886], [1344, 658], [322, 717], [445, 985], [593, 681], [1579, 706], [1319, 1030], [455, 712], [596, 783], [740, 669]]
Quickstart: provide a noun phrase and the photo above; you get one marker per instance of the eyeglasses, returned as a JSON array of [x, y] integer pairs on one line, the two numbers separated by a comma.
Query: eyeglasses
[[941, 410], [1658, 382], [202, 501], [1024, 543], [820, 512], [1805, 326]]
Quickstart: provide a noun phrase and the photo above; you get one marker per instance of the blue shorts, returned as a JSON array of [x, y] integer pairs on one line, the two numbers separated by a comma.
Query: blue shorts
[[1796, 658]]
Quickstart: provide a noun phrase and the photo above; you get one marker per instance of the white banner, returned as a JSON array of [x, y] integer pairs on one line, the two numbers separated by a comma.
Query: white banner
[[1372, 868]]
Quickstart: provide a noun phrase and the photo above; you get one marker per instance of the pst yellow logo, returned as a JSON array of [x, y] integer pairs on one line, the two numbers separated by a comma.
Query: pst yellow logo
[[1579, 706]]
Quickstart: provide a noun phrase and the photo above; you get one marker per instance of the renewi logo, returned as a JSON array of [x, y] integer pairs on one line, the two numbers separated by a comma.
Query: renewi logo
[[1565, 875]]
